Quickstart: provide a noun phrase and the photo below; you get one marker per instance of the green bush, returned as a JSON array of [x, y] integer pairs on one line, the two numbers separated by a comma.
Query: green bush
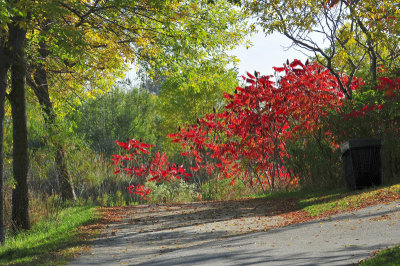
[[221, 189], [175, 191], [115, 199], [315, 163]]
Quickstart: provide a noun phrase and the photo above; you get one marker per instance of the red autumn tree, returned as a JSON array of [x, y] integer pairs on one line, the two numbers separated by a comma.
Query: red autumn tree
[[247, 140]]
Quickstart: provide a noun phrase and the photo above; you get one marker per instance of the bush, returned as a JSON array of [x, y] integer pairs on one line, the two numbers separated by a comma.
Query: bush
[[114, 199], [221, 189], [174, 191], [315, 162]]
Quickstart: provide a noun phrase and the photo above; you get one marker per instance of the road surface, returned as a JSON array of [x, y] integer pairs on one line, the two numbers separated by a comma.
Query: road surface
[[203, 236]]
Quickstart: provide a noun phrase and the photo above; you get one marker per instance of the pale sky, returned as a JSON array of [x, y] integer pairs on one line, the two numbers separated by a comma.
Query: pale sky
[[266, 52]]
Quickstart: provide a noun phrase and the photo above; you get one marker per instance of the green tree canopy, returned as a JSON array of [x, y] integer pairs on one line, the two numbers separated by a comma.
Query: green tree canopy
[[354, 33], [120, 114]]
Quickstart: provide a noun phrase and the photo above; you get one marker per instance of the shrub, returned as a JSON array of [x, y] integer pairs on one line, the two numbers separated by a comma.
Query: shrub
[[174, 191], [247, 140], [221, 189], [315, 162]]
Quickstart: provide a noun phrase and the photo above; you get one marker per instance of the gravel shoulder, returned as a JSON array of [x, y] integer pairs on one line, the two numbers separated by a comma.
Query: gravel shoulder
[[239, 233]]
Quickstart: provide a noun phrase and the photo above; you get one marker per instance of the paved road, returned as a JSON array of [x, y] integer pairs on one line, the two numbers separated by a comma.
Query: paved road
[[342, 239]]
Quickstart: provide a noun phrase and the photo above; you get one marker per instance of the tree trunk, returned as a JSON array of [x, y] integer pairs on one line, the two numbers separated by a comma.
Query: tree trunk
[[3, 86], [373, 66], [66, 187], [20, 201], [41, 89]]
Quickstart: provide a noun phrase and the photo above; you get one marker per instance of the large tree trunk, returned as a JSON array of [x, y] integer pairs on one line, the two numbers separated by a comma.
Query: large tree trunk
[[41, 89], [3, 86], [20, 201]]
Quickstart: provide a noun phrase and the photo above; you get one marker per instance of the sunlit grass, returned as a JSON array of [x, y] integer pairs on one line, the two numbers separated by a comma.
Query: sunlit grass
[[325, 201], [349, 200], [388, 257], [55, 234]]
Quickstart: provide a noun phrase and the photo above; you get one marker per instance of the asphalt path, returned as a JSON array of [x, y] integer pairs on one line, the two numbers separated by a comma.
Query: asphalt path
[[342, 239]]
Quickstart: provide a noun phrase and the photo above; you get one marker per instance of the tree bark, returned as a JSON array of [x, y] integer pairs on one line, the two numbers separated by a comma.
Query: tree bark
[[66, 187], [41, 88], [20, 201], [3, 86]]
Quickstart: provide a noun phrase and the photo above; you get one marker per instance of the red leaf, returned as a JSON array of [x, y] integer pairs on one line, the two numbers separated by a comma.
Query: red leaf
[[296, 63], [145, 145], [128, 171], [278, 69], [144, 151], [188, 174], [195, 169], [181, 170], [250, 76], [250, 81], [172, 136]]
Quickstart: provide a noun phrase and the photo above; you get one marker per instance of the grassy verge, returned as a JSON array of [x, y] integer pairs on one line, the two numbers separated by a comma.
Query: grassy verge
[[389, 256], [51, 241], [341, 201], [327, 202]]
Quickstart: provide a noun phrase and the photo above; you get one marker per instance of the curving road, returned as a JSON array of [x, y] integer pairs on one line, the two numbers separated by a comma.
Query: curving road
[[342, 239]]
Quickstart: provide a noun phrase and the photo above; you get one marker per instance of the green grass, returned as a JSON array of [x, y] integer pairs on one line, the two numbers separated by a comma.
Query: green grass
[[47, 238], [340, 201], [320, 202], [300, 194], [389, 256]]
